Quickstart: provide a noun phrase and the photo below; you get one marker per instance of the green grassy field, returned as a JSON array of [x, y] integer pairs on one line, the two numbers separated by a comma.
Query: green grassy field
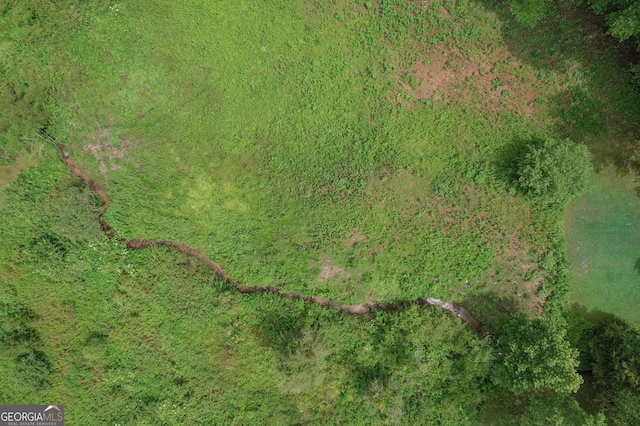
[[603, 230], [295, 146], [350, 150]]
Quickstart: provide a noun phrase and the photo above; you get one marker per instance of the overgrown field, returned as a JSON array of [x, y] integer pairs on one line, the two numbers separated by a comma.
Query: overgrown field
[[355, 150]]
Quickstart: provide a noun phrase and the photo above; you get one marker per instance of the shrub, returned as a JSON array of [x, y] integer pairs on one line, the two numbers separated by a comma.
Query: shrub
[[529, 12], [31, 369], [534, 355], [553, 172]]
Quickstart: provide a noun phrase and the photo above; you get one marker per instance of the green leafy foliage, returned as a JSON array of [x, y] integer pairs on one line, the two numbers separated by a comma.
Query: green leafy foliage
[[553, 172], [615, 353], [623, 16], [529, 12], [625, 23], [31, 369], [401, 367], [534, 355], [610, 354], [539, 408]]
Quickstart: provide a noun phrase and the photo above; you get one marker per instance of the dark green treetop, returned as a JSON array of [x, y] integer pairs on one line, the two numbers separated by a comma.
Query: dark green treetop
[[534, 355], [553, 172]]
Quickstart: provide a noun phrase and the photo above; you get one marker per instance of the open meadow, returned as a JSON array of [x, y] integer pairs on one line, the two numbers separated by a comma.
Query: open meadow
[[603, 231], [350, 150]]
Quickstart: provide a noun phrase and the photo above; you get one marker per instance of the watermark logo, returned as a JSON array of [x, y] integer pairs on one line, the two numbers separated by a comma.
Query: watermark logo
[[31, 415]]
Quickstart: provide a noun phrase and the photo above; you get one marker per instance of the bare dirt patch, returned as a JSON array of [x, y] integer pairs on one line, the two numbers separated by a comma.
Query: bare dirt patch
[[106, 151], [496, 81], [354, 237], [328, 271]]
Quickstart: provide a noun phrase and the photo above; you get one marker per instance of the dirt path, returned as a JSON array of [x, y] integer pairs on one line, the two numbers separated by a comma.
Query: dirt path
[[136, 244]]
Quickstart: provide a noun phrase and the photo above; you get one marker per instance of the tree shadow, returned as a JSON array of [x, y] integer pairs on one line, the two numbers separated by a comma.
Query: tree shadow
[[594, 315], [508, 157], [280, 324], [490, 307], [573, 41], [559, 37], [580, 118], [636, 265]]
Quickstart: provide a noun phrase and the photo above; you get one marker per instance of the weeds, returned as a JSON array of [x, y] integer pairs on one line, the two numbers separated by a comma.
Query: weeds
[[273, 137]]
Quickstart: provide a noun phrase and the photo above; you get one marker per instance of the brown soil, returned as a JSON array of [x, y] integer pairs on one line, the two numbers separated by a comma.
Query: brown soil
[[105, 152], [76, 170], [328, 271], [448, 76]]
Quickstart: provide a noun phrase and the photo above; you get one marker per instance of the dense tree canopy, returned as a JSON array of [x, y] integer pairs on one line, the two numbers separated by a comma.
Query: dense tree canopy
[[534, 355], [610, 351], [623, 16]]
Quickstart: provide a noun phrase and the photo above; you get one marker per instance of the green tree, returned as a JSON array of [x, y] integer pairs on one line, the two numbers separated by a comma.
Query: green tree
[[625, 23], [539, 408], [534, 355], [551, 408], [623, 16], [610, 349], [615, 350], [529, 12], [552, 172]]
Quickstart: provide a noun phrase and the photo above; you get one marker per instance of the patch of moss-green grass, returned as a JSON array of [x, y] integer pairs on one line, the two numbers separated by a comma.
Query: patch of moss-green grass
[[603, 230]]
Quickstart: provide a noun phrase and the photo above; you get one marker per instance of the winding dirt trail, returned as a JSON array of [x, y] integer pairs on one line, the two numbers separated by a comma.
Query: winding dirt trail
[[137, 244]]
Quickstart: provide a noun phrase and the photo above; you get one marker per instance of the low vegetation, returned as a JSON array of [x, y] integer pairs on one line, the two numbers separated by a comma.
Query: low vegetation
[[357, 151]]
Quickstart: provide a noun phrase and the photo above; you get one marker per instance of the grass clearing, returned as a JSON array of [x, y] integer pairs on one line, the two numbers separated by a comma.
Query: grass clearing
[[350, 150], [9, 172], [603, 230], [269, 190]]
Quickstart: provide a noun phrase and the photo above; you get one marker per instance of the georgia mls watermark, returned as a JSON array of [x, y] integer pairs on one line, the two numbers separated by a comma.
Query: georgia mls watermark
[[31, 415]]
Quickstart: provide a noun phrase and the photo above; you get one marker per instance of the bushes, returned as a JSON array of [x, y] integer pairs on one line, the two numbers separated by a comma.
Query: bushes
[[553, 172], [623, 17], [31, 369], [528, 12], [534, 355], [15, 324], [610, 349], [615, 351]]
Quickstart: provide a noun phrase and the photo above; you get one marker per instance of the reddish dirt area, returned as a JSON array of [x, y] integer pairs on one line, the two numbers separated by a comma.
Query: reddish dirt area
[[492, 82]]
